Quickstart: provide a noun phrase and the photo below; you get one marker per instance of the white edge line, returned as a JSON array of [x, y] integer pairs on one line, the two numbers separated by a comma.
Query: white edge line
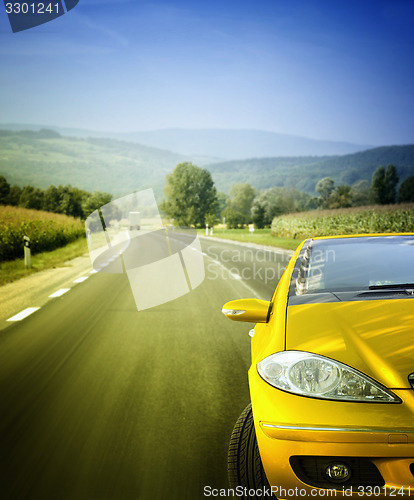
[[81, 279], [59, 293], [23, 314], [235, 276]]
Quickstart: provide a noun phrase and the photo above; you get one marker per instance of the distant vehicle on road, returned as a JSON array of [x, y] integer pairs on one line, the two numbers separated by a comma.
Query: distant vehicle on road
[[134, 221], [332, 375]]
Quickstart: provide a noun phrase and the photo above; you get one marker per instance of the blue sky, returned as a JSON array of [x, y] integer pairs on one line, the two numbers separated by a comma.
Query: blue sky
[[321, 69]]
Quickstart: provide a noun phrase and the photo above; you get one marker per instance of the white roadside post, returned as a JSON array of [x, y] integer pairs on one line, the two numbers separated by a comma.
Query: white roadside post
[[206, 229], [27, 252]]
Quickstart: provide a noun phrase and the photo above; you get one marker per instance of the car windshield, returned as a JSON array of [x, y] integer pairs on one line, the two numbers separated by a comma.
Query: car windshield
[[355, 264]]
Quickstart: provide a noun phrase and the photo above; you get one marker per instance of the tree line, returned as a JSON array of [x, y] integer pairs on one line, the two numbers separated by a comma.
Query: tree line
[[191, 199], [382, 191], [66, 200]]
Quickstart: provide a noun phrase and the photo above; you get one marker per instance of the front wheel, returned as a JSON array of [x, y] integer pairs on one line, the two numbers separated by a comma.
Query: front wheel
[[245, 466]]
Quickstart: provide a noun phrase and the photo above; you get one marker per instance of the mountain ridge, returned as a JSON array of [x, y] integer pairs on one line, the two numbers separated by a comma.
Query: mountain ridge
[[45, 157], [215, 144], [304, 172]]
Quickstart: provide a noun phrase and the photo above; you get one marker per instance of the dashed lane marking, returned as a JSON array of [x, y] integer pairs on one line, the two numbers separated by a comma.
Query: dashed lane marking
[[23, 314], [81, 279], [30, 310], [59, 293]]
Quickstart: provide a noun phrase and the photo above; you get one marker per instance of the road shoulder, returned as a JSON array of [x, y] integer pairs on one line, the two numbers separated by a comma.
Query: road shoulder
[[34, 290]]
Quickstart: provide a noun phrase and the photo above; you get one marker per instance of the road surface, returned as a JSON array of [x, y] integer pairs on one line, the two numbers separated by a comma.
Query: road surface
[[100, 401]]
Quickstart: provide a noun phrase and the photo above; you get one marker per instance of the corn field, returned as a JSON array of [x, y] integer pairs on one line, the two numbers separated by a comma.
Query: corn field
[[46, 231], [357, 220]]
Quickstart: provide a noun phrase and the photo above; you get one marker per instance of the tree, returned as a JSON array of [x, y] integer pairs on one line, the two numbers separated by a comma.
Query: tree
[[210, 220], [241, 197], [259, 215], [406, 192], [14, 195], [4, 191], [31, 197], [360, 193], [94, 201], [222, 199], [276, 201], [391, 182], [340, 197], [384, 185], [378, 189], [267, 205], [51, 199], [234, 219], [238, 209], [78, 196], [324, 187], [190, 195]]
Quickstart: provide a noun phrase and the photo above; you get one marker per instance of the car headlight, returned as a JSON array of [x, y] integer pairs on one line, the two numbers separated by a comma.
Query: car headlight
[[315, 376]]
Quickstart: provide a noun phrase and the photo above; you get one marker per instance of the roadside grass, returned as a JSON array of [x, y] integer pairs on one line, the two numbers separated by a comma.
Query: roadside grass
[[259, 236], [15, 269]]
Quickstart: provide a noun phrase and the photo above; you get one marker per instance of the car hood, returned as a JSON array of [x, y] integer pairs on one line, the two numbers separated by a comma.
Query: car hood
[[373, 336]]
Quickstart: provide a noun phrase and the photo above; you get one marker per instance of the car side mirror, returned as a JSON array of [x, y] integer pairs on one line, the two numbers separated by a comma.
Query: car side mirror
[[251, 310]]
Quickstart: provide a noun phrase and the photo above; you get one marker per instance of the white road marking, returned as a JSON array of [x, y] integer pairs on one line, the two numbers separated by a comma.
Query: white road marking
[[81, 279], [59, 293], [30, 310], [93, 271], [235, 276], [23, 314]]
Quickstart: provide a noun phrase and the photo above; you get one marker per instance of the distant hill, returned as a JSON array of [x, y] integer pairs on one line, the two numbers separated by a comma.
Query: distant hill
[[236, 144], [45, 157], [207, 145], [304, 172]]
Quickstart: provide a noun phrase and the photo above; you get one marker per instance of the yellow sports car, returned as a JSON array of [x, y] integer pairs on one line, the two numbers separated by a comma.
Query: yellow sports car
[[332, 375]]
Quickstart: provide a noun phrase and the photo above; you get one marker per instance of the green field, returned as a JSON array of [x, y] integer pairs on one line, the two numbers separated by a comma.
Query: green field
[[47, 231], [358, 220], [289, 230]]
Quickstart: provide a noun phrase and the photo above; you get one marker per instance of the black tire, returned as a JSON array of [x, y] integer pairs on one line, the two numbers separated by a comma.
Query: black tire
[[245, 466]]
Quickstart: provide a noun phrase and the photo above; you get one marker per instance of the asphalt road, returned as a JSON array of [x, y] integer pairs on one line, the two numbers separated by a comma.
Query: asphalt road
[[100, 401]]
